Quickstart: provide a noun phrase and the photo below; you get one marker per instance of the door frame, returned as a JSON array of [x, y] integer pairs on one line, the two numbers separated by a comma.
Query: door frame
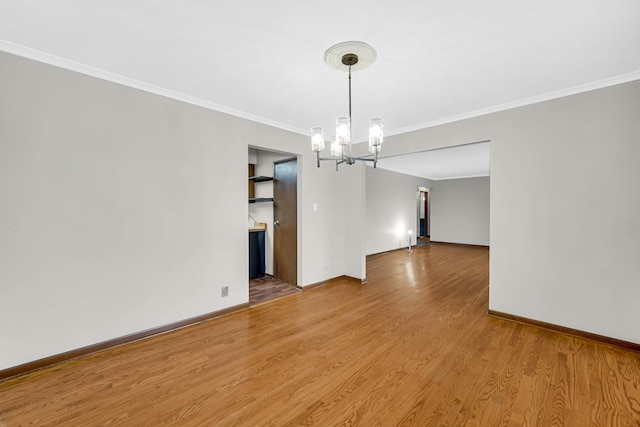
[[419, 204]]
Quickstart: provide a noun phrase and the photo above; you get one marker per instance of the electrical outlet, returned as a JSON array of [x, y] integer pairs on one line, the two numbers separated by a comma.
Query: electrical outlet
[[225, 291]]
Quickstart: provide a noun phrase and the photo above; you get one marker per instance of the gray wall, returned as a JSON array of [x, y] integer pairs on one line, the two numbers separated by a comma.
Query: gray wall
[[460, 211], [392, 209], [565, 207], [123, 210], [112, 210], [565, 212]]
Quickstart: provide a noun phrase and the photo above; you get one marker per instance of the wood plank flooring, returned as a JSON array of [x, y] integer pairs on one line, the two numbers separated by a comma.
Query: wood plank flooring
[[412, 347], [268, 288]]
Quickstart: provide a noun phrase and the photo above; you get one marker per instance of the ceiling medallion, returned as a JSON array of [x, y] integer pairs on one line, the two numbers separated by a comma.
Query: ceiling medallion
[[364, 53]]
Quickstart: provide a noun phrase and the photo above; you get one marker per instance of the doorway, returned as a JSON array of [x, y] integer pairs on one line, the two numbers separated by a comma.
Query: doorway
[[424, 223], [285, 220], [266, 196]]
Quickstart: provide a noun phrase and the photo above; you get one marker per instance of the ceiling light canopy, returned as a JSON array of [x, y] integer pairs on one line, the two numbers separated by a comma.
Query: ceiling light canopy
[[364, 54], [349, 56]]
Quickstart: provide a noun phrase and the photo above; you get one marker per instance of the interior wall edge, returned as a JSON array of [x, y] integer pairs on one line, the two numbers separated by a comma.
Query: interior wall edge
[[29, 367], [627, 345]]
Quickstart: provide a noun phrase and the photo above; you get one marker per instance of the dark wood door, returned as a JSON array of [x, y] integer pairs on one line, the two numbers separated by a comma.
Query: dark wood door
[[285, 217], [426, 213], [252, 185]]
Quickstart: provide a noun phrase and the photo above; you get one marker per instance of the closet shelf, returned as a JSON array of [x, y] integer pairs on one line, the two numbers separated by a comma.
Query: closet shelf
[[260, 178]]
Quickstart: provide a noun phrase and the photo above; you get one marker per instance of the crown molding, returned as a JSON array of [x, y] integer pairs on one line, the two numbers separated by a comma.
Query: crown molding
[[611, 81], [70, 65], [88, 70]]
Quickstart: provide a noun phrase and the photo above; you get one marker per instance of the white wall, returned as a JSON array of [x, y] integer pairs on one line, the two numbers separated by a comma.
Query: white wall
[[565, 207], [460, 211], [123, 210], [391, 209]]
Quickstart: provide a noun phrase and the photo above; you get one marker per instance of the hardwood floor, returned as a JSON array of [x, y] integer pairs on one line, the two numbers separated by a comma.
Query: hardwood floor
[[423, 241], [268, 288], [412, 347]]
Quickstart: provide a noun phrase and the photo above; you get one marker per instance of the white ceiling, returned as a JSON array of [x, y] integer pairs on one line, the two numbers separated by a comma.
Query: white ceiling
[[463, 161], [437, 61]]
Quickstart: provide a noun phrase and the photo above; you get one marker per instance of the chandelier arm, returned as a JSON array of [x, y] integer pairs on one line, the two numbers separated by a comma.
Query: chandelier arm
[[349, 160], [366, 158]]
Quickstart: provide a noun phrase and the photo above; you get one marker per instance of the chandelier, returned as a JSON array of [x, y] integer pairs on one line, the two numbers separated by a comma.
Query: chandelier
[[345, 57]]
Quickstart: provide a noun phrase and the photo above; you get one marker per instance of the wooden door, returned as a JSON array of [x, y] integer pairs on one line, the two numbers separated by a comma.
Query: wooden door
[[426, 213], [285, 220], [252, 185]]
